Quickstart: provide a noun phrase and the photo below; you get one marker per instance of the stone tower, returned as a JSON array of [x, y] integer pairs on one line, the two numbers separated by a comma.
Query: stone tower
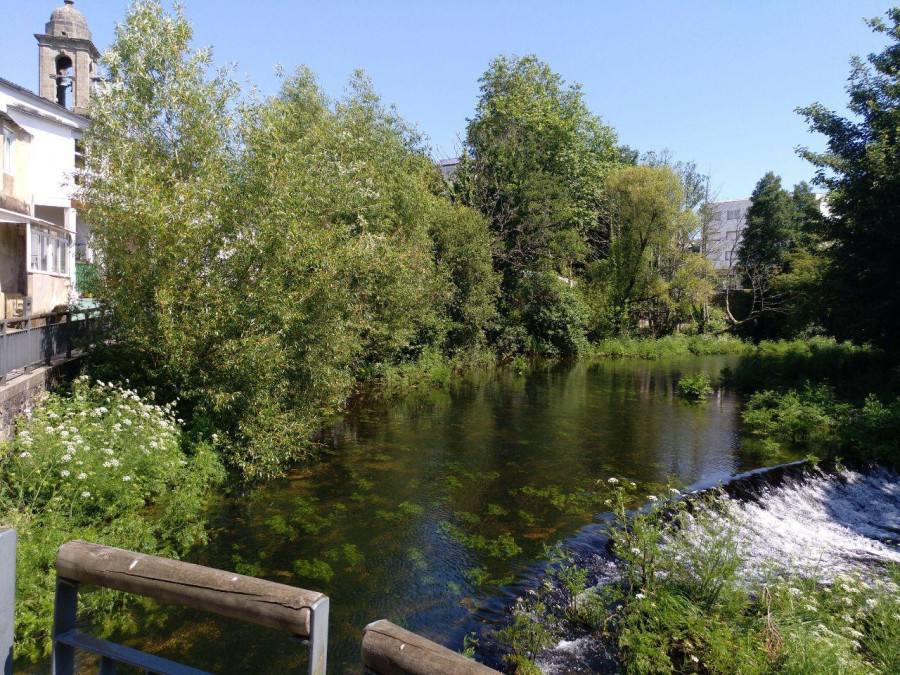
[[68, 59]]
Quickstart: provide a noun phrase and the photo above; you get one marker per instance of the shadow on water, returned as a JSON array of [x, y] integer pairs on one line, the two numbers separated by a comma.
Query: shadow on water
[[433, 511]]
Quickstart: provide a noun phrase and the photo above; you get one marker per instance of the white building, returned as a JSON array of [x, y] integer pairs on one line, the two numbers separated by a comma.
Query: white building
[[723, 237], [39, 224]]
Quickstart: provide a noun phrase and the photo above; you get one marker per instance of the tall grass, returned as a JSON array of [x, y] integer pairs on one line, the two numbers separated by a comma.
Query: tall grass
[[670, 346]]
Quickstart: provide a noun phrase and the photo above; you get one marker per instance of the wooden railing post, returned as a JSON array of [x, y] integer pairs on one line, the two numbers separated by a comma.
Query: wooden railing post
[[390, 650], [8, 541]]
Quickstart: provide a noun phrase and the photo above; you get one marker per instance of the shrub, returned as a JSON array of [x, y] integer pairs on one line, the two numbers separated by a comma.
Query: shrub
[[694, 388], [102, 465]]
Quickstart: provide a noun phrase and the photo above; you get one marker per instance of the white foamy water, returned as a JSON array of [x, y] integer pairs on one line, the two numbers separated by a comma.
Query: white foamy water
[[818, 524], [821, 524]]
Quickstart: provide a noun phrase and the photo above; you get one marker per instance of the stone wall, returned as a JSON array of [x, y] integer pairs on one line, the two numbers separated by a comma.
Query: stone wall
[[22, 394]]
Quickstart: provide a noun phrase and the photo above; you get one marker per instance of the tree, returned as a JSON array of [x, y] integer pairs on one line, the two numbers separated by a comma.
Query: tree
[[259, 267], [769, 226], [535, 162], [861, 170], [641, 275], [779, 256]]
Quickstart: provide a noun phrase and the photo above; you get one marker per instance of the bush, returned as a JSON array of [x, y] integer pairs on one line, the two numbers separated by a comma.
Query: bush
[[694, 388], [670, 346], [815, 419], [105, 466]]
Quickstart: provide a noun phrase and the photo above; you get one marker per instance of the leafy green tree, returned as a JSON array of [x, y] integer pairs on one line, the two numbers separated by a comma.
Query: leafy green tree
[[781, 258], [535, 162], [259, 267], [642, 274], [770, 226], [861, 170], [160, 156]]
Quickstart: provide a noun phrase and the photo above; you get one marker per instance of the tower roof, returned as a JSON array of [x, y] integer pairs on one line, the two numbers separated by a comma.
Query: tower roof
[[66, 21]]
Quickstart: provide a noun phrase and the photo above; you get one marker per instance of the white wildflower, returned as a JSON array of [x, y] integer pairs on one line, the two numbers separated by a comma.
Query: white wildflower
[[639, 596], [64, 473], [126, 478], [612, 481], [66, 458], [82, 476], [25, 455], [85, 494]]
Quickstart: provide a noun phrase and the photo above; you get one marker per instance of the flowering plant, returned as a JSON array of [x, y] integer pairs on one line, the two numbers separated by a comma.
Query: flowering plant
[[104, 465]]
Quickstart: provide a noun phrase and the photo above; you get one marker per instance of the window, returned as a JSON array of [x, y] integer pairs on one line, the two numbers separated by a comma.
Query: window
[[733, 214], [49, 252], [9, 141]]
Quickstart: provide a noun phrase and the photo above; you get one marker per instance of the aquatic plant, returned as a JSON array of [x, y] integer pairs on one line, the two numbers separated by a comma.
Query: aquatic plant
[[694, 388]]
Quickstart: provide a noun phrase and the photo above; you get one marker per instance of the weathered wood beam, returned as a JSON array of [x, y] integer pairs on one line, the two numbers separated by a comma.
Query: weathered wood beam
[[257, 601], [390, 650]]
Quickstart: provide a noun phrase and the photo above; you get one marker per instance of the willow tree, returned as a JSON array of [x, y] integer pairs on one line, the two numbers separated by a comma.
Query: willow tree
[[648, 271], [159, 162], [259, 263]]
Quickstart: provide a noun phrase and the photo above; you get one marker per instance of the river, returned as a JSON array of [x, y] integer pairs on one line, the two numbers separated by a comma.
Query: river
[[432, 511]]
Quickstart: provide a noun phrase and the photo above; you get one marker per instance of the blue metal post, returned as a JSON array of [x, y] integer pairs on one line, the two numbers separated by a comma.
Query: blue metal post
[[65, 612], [7, 597], [318, 637]]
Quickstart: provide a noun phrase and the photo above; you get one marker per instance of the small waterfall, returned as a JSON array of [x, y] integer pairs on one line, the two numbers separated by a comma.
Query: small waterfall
[[821, 524], [790, 520]]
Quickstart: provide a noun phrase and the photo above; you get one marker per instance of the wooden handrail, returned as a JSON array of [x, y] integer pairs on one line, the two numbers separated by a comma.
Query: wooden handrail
[[388, 649], [257, 601]]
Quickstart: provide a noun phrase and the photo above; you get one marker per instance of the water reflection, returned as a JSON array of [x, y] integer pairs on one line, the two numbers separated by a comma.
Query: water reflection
[[429, 511]]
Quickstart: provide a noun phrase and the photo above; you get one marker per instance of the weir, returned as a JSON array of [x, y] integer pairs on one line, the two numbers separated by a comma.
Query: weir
[[790, 519]]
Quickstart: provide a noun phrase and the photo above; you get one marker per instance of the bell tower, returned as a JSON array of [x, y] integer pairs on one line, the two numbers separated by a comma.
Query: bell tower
[[68, 59]]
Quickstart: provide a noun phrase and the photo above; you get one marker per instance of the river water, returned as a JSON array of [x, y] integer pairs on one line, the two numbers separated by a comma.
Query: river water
[[433, 511]]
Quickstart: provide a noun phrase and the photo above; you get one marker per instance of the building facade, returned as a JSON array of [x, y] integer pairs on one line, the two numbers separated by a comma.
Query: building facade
[[722, 239], [40, 229]]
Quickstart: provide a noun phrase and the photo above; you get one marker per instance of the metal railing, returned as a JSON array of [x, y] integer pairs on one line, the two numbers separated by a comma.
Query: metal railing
[[35, 340]]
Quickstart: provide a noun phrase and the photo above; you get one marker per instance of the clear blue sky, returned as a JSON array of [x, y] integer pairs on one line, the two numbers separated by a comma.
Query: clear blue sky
[[714, 81]]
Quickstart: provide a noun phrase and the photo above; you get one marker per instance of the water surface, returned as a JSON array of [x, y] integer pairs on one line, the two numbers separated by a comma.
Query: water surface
[[432, 512]]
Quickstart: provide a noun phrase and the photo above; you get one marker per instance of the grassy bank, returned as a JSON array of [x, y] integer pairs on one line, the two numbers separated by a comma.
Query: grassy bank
[[670, 346], [104, 465]]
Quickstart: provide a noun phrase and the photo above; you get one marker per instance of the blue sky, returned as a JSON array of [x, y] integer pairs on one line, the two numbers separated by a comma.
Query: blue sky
[[713, 81]]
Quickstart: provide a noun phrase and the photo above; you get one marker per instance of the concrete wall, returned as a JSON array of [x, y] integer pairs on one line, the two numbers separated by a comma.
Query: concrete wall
[[22, 394], [47, 291]]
